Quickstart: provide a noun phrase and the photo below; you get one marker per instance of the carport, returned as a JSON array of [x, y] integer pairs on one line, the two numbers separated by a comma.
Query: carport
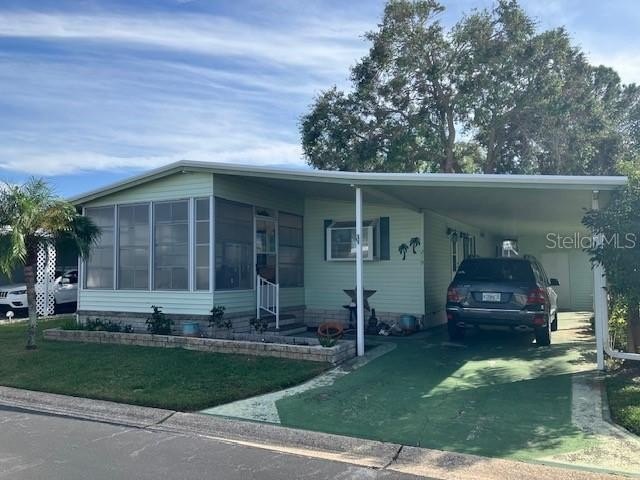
[[507, 206]]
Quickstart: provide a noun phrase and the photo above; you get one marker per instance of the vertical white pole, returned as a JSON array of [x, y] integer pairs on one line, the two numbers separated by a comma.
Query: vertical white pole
[[258, 290], [277, 290], [359, 288], [599, 296]]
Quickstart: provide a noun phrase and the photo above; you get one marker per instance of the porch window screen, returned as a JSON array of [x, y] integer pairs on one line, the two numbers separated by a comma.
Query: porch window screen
[[234, 245], [133, 247], [171, 245], [202, 243], [99, 264], [290, 250]]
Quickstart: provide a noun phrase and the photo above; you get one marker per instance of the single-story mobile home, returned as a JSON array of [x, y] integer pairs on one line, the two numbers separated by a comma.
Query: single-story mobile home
[[194, 234]]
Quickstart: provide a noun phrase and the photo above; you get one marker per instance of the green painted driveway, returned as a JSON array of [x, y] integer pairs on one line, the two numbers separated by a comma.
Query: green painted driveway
[[496, 395]]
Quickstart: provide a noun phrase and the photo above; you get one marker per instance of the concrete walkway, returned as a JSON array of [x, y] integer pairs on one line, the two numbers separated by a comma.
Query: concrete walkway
[[165, 426]]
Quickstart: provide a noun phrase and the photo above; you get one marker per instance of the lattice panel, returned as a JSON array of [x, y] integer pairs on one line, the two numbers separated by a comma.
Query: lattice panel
[[45, 276]]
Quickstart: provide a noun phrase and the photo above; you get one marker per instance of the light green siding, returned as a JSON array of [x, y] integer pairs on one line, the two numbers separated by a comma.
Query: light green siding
[[438, 268], [188, 303], [399, 284], [180, 185], [242, 189]]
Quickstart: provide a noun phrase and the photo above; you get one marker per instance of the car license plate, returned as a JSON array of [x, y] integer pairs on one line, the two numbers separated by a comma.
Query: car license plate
[[490, 297]]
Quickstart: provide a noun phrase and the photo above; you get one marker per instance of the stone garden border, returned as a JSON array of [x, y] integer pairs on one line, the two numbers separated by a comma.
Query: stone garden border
[[296, 348]]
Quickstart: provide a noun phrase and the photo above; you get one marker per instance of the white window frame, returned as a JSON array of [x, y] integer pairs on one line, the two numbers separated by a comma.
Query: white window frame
[[367, 256]]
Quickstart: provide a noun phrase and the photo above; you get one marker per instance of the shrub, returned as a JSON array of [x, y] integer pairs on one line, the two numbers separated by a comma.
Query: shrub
[[217, 319], [260, 325], [327, 342], [97, 325], [71, 324], [158, 323]]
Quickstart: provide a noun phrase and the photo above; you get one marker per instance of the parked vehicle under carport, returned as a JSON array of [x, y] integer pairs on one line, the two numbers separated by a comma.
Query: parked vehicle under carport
[[510, 292]]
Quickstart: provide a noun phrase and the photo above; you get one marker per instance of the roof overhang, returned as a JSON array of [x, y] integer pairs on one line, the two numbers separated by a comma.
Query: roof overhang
[[503, 204]]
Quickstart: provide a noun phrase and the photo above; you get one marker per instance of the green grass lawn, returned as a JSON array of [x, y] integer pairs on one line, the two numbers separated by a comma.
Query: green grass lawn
[[167, 378], [623, 390]]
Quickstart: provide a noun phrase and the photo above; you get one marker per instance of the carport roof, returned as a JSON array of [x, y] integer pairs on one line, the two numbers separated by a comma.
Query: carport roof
[[509, 205]]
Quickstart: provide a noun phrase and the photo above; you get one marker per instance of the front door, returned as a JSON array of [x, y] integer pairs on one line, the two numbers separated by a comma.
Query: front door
[[266, 252]]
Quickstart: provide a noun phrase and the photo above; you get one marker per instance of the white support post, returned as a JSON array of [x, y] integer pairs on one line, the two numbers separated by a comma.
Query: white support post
[[258, 292], [600, 307], [277, 290], [359, 288]]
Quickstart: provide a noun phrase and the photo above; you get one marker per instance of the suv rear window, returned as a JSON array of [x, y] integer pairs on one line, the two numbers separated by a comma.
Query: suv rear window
[[495, 270]]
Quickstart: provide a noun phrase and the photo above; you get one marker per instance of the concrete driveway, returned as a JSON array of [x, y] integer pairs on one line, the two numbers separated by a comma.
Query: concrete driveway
[[496, 394]]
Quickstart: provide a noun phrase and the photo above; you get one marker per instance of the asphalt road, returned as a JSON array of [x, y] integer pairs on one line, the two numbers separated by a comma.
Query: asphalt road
[[39, 446]]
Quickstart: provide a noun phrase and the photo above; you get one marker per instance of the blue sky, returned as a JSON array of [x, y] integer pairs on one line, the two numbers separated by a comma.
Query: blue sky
[[93, 91]]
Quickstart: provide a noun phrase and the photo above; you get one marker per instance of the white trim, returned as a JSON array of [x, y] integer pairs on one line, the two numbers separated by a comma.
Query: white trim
[[116, 244], [359, 279], [363, 178], [212, 246], [192, 238], [151, 249]]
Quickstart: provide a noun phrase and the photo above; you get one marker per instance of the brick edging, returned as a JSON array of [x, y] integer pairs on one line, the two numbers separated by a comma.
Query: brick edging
[[248, 345]]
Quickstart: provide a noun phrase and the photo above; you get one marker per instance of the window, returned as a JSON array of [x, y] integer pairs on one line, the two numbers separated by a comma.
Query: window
[[290, 250], [171, 245], [133, 247], [99, 264], [495, 270], [454, 251], [234, 245], [202, 244], [468, 245], [341, 241]]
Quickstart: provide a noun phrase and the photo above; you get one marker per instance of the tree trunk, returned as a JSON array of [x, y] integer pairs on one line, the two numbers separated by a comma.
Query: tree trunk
[[490, 163], [449, 166], [633, 332], [30, 281]]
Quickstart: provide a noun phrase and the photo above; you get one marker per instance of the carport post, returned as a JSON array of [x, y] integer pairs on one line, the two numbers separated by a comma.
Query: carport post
[[600, 307], [359, 288]]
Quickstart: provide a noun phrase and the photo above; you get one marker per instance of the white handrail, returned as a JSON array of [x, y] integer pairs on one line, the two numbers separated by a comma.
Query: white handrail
[[268, 298]]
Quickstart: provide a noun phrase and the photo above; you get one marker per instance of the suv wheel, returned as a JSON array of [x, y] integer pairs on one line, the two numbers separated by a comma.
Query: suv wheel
[[543, 336], [554, 323], [455, 332]]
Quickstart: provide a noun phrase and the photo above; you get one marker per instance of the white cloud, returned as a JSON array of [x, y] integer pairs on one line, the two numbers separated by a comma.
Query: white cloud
[[65, 162], [308, 44], [117, 97]]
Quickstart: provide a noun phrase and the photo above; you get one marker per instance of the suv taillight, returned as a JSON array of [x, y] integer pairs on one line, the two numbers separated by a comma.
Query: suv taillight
[[537, 296], [453, 295]]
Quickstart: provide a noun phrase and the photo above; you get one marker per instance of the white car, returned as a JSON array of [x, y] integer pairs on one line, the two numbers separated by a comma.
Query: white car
[[65, 291]]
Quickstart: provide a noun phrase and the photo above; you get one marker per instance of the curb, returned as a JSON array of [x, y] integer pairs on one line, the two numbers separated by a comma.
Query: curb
[[83, 408], [368, 453]]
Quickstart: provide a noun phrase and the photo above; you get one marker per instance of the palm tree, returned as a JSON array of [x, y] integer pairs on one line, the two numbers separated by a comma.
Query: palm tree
[[403, 249], [32, 217]]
